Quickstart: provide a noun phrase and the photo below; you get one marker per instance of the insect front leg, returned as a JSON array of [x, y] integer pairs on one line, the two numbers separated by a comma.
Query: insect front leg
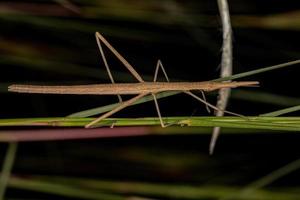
[[105, 63], [130, 68]]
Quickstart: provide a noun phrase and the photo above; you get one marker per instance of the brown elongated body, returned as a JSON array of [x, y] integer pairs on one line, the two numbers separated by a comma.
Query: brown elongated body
[[128, 88], [139, 89]]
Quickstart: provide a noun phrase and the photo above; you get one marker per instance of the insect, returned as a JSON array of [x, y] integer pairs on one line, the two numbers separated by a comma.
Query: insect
[[140, 89]]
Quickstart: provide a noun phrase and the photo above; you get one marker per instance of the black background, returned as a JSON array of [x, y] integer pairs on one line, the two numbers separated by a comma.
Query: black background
[[189, 50]]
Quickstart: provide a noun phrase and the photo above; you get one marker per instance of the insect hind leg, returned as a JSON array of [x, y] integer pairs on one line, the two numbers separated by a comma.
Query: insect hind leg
[[204, 98], [210, 105]]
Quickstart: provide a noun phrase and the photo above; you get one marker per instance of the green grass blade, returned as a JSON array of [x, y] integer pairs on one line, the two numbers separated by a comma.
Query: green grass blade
[[65, 185], [282, 111], [52, 66], [7, 167], [265, 180], [59, 25], [264, 97], [275, 175], [262, 123], [258, 71], [60, 189]]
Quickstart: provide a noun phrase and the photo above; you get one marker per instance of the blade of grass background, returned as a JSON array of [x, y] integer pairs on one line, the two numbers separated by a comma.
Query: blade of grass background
[[41, 62], [153, 13], [60, 26], [281, 21], [7, 167], [88, 188], [264, 97], [102, 109], [60, 189], [69, 5], [282, 111], [275, 175], [58, 67], [262, 123], [41, 50], [143, 12], [258, 71], [265, 180]]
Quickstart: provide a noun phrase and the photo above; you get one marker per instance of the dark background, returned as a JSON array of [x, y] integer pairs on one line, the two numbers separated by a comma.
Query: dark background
[[47, 42]]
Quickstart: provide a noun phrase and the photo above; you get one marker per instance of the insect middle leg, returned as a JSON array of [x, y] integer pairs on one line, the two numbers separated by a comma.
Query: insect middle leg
[[159, 65]]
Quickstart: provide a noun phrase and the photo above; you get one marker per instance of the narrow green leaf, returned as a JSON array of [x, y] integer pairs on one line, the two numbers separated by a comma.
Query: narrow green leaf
[[60, 189], [258, 71], [262, 123], [73, 187], [7, 167], [264, 181], [264, 97], [281, 112]]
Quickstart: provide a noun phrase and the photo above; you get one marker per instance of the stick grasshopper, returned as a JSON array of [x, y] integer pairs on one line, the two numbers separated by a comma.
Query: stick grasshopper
[[140, 89]]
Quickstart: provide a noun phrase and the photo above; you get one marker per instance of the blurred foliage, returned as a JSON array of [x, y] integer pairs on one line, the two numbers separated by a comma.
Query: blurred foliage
[[53, 42]]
